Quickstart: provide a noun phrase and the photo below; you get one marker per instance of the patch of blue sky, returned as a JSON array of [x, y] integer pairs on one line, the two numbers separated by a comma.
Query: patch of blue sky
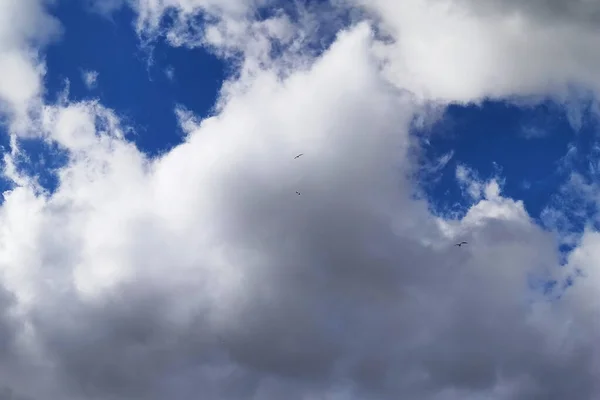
[[36, 158], [42, 160], [5, 184], [142, 85], [526, 147]]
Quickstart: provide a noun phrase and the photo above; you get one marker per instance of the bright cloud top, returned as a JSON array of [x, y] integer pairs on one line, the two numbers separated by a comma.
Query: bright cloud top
[[489, 48], [202, 273]]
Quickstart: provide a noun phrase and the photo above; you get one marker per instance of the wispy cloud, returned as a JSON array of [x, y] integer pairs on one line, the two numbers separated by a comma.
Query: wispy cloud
[[170, 73], [533, 132], [90, 78]]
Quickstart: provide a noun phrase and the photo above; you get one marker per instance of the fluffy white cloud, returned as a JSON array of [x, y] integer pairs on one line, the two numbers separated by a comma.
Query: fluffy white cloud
[[463, 50], [24, 28], [201, 272]]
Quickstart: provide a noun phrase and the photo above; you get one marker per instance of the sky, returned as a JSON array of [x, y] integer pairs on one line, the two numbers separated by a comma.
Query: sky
[[159, 238]]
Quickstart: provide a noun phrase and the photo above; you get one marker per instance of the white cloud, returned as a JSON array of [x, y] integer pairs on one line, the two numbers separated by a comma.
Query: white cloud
[[202, 271], [489, 48], [231, 30], [151, 11], [469, 182], [90, 78], [431, 170], [23, 23]]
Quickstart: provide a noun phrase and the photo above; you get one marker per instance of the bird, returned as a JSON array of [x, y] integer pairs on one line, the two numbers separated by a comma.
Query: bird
[[299, 155], [461, 243], [298, 193]]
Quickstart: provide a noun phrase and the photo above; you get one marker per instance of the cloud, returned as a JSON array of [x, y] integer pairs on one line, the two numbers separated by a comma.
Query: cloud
[[439, 164], [25, 28], [90, 78], [233, 30], [488, 49], [469, 182], [201, 271], [533, 132], [151, 12], [105, 7]]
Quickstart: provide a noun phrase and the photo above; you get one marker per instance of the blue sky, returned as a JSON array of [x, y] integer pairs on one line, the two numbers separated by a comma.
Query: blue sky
[[133, 80], [492, 139], [151, 253]]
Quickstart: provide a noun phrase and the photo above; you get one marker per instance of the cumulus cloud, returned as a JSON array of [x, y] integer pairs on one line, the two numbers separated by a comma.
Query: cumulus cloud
[[490, 48], [202, 273]]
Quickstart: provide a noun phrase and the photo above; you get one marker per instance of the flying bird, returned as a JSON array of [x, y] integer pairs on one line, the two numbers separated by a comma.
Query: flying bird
[[298, 193], [461, 243], [299, 155]]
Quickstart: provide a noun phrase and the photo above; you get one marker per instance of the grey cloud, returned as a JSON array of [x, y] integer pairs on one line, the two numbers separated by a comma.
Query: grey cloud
[[548, 11], [242, 290]]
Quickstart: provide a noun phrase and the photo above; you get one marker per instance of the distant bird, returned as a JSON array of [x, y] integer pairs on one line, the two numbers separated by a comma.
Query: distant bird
[[299, 155], [461, 243], [298, 193]]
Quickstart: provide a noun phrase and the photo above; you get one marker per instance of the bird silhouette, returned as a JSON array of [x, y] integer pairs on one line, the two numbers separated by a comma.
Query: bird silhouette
[[461, 243], [298, 193], [299, 155]]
